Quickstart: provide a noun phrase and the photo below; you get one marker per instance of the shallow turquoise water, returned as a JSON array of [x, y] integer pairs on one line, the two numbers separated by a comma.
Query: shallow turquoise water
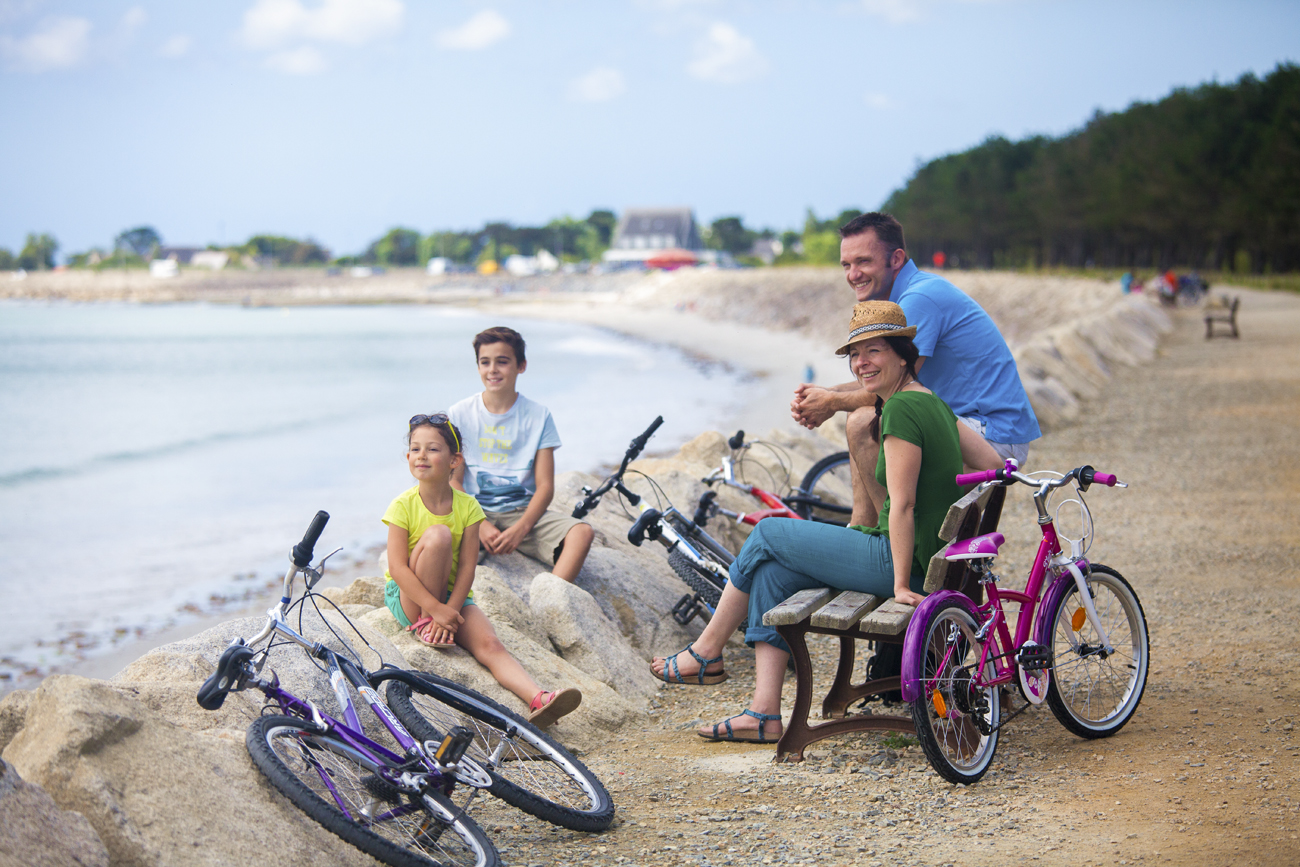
[[158, 459]]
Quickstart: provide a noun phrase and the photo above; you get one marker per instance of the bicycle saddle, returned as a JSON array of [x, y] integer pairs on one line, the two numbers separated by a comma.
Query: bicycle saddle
[[978, 548]]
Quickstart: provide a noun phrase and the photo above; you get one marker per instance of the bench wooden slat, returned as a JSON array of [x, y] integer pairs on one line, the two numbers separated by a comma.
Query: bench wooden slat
[[799, 606], [937, 572], [891, 618], [845, 610], [957, 512]]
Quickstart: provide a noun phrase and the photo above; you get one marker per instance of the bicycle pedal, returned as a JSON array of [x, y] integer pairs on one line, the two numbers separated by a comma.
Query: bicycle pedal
[[687, 609], [1034, 657]]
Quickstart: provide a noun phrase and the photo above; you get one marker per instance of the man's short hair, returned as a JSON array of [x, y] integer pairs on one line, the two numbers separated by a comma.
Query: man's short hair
[[501, 334], [887, 229]]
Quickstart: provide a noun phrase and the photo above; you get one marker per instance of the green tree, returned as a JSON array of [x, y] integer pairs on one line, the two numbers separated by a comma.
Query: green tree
[[6, 260], [604, 223], [142, 240], [38, 252], [286, 251], [399, 247], [730, 234], [456, 246]]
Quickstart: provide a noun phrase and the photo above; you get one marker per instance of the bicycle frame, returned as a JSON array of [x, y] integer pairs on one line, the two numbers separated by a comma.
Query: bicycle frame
[[776, 507]]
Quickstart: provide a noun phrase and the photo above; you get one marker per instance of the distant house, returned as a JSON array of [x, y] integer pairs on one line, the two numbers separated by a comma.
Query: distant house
[[643, 232], [194, 256], [180, 255]]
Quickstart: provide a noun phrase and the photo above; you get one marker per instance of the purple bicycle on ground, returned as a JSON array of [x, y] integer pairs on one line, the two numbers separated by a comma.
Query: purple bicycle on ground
[[395, 804], [1081, 645]]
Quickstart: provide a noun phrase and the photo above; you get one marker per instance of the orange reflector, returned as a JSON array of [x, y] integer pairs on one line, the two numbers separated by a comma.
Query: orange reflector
[[1076, 622], [940, 706]]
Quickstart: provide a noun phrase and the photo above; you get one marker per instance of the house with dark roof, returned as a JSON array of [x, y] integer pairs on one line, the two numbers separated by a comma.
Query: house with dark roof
[[643, 232]]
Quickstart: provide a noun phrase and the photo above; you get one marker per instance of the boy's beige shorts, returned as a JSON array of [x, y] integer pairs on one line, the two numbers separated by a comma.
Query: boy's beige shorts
[[544, 542]]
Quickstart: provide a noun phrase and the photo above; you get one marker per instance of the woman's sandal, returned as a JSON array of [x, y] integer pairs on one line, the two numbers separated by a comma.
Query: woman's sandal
[[423, 627], [763, 720], [547, 707], [700, 678]]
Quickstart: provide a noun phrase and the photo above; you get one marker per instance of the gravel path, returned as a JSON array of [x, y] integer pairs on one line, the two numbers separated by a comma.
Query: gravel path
[[1205, 773]]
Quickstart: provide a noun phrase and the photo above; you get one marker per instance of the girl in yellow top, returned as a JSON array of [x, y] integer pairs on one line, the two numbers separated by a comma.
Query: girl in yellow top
[[432, 551]]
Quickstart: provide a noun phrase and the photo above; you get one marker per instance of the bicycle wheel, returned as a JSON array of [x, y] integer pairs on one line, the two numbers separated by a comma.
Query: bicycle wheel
[[329, 781], [830, 481], [1091, 692], [956, 720], [699, 580], [528, 769]]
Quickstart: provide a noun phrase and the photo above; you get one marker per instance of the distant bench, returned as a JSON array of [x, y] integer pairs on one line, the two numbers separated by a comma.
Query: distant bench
[[857, 617], [1224, 311]]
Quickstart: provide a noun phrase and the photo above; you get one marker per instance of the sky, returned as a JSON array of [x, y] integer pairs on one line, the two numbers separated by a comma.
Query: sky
[[339, 119]]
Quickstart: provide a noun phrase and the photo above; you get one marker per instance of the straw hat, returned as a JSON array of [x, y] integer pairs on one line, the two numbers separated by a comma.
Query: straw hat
[[876, 319]]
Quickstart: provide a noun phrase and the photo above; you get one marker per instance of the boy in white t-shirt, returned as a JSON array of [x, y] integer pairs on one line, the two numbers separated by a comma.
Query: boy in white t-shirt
[[509, 466]]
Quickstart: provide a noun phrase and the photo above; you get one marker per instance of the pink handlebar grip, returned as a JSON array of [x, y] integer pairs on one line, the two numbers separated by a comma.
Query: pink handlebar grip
[[978, 478], [1106, 479]]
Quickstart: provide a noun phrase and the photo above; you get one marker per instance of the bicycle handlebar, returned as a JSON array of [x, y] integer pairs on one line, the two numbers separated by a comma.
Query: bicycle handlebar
[[1085, 475], [301, 554], [737, 440], [589, 502]]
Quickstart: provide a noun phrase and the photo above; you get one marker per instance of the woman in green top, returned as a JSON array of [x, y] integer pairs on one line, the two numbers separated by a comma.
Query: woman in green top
[[919, 458]]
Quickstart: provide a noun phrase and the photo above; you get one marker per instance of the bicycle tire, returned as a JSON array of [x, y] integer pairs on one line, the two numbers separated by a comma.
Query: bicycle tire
[[828, 481], [534, 772], [1093, 695], [702, 582], [295, 757], [956, 722]]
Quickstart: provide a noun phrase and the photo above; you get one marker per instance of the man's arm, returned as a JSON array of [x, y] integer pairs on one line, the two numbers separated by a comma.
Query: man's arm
[[544, 476], [813, 404]]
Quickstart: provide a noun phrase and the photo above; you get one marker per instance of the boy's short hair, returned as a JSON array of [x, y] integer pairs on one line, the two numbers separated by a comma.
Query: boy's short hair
[[501, 334], [886, 227]]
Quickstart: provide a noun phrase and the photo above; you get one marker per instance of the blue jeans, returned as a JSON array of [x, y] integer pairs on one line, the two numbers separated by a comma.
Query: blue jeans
[[783, 556]]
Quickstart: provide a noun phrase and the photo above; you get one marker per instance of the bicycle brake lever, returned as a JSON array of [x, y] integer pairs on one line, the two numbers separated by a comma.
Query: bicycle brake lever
[[313, 576]]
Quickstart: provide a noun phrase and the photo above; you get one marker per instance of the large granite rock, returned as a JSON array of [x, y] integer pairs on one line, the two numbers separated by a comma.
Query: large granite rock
[[159, 793], [34, 832]]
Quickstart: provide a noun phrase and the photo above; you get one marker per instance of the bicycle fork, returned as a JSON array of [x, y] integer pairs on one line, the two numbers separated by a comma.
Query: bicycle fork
[[1085, 595]]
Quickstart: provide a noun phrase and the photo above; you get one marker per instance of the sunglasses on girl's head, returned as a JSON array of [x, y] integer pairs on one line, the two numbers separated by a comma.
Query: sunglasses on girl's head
[[438, 418]]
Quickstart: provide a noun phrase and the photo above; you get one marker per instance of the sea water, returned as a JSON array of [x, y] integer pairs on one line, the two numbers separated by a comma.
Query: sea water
[[157, 462]]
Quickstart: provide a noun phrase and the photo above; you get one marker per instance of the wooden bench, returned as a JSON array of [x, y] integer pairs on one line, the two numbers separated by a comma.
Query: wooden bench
[[1224, 311], [857, 617]]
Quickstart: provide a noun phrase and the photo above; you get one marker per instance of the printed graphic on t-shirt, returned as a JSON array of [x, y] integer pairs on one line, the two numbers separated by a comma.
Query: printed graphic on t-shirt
[[498, 493]]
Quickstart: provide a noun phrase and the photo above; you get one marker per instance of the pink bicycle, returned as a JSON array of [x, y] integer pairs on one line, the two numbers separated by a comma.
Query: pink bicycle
[[1082, 646]]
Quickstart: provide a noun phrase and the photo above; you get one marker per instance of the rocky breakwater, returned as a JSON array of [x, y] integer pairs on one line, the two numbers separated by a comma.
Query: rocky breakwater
[[131, 771], [1065, 366]]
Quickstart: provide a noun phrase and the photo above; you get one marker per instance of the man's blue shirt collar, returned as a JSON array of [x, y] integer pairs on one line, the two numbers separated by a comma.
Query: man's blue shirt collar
[[902, 281]]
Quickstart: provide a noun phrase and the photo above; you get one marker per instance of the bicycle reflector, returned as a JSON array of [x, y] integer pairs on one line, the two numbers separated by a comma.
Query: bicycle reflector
[[940, 706], [1077, 620], [453, 746]]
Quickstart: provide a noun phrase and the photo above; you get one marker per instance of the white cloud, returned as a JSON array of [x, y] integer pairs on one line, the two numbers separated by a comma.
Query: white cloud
[[177, 46], [300, 61], [726, 57], [878, 101], [271, 24], [484, 29], [59, 43], [134, 18], [894, 11], [601, 84]]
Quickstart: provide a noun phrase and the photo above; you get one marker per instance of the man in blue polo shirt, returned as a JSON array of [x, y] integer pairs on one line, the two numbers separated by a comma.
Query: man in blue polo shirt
[[963, 359]]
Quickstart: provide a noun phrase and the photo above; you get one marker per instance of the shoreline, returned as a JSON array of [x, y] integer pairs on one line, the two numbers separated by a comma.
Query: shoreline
[[776, 371]]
